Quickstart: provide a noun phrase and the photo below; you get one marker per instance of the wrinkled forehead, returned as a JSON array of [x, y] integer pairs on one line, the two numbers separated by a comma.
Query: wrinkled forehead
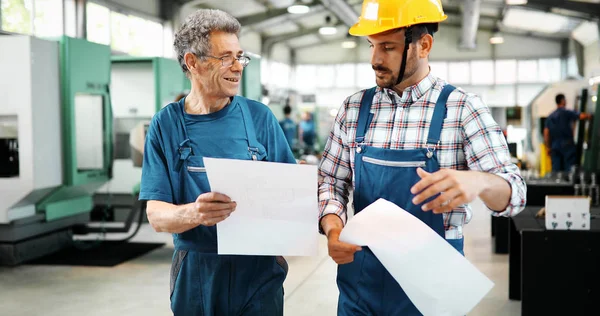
[[222, 43]]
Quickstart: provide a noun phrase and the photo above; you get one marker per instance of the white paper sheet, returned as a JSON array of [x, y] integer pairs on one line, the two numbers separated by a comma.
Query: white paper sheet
[[277, 210], [436, 278]]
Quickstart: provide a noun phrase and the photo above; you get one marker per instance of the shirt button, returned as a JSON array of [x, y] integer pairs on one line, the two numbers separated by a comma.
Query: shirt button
[[359, 150]]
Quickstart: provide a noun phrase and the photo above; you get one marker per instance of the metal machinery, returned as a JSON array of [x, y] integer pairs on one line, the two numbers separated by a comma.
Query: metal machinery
[[55, 141], [582, 180], [139, 88]]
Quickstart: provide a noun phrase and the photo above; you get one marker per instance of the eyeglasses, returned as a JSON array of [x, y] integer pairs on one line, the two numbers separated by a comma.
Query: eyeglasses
[[227, 61]]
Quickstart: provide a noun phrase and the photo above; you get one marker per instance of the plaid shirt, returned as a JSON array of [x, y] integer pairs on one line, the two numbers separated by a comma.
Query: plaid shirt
[[470, 140]]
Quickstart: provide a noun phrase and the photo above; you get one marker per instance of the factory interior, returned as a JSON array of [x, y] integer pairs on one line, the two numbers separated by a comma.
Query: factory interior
[[82, 79]]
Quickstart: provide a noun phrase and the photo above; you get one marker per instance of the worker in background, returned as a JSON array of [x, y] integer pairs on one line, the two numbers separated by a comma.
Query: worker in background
[[307, 133], [558, 135], [211, 121], [414, 140], [289, 126]]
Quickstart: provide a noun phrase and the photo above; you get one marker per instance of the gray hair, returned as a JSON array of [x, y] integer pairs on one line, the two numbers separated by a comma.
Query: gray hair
[[194, 35]]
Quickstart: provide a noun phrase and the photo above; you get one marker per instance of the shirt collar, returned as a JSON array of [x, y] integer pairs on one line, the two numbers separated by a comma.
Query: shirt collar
[[415, 92]]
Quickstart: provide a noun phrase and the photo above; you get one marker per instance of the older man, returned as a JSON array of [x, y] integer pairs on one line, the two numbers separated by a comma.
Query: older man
[[211, 121]]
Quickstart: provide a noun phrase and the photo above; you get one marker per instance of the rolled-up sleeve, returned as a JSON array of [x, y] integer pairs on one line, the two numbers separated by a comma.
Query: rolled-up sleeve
[[335, 173], [486, 150]]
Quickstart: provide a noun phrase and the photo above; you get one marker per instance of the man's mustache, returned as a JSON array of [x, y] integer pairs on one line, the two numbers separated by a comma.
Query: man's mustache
[[380, 68]]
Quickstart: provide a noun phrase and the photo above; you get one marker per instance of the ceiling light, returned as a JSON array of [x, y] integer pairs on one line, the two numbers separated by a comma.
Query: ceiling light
[[516, 2], [496, 39], [327, 30], [348, 44], [594, 98], [298, 9]]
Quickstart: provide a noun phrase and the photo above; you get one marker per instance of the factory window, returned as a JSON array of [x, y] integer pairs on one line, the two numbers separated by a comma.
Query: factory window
[[365, 78], [142, 36], [305, 77], [459, 73], [506, 71], [16, 16], [98, 23], [345, 74], [527, 71], [134, 35], [42, 18], [549, 70], [48, 19], [325, 76], [482, 72], [125, 33], [280, 75], [119, 32], [439, 69]]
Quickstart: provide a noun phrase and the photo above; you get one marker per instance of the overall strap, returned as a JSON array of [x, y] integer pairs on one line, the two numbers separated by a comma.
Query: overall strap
[[253, 145], [364, 115], [185, 149], [439, 113]]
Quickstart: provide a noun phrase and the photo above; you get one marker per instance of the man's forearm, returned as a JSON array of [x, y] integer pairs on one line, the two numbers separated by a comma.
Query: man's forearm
[[169, 218], [331, 222], [497, 192]]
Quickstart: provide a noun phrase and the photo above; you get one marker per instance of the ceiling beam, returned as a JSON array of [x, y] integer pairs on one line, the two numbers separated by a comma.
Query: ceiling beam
[[590, 9], [269, 42], [273, 13], [508, 32]]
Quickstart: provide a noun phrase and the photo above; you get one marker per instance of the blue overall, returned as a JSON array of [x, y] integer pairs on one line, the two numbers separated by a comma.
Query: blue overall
[[366, 287], [203, 282]]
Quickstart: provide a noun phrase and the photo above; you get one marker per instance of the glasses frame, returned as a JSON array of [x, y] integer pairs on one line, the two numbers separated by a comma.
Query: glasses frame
[[243, 60]]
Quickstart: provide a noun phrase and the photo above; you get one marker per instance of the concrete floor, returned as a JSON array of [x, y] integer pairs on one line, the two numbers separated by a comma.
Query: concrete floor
[[141, 286]]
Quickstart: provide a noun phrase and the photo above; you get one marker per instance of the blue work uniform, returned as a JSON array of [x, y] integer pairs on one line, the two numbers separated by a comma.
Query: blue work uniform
[[563, 149], [203, 282], [366, 287], [289, 130]]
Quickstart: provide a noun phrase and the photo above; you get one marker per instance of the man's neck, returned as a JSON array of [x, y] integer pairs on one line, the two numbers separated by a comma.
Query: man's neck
[[412, 80], [198, 102]]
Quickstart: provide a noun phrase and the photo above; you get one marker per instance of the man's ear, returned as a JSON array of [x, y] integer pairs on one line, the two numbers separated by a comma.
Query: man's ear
[[191, 62], [425, 45]]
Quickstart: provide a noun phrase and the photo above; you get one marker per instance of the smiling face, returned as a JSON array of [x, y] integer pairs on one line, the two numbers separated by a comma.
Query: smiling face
[[214, 79]]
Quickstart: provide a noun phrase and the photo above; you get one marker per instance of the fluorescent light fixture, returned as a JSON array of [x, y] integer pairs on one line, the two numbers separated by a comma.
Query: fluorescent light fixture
[[327, 30], [516, 2], [594, 80], [537, 21], [298, 9], [348, 44], [496, 39]]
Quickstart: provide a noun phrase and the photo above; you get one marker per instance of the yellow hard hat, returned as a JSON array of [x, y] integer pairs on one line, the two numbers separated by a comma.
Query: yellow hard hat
[[382, 15]]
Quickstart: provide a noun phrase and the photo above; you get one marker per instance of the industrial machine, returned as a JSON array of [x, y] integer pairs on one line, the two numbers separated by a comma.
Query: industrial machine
[[140, 86], [56, 135]]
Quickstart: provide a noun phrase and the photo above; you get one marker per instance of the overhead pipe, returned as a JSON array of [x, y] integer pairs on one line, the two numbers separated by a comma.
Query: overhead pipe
[[470, 23]]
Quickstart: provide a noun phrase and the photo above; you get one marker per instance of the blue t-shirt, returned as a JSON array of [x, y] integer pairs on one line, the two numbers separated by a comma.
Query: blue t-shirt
[[560, 125], [289, 130], [220, 134], [308, 132]]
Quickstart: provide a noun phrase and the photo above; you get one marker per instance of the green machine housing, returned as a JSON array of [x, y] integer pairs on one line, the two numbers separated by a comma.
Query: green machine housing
[[85, 80]]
